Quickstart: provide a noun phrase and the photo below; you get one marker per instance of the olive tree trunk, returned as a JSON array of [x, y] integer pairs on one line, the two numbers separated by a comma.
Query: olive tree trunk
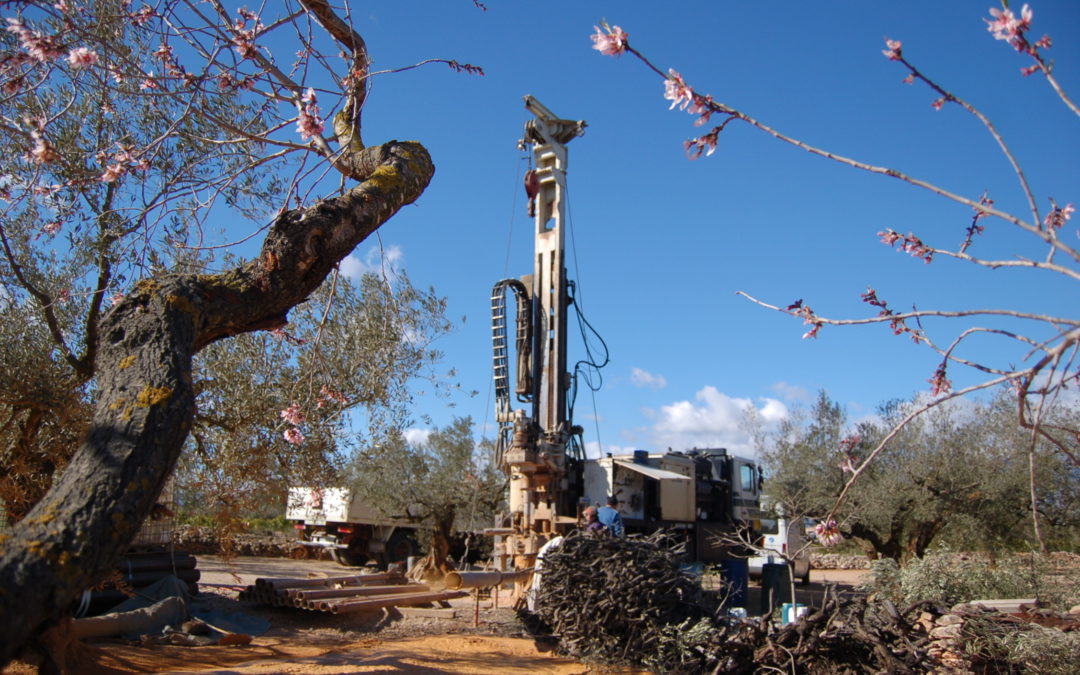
[[145, 401]]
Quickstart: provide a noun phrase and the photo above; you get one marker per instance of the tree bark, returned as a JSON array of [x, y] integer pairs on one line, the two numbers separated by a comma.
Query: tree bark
[[145, 403]]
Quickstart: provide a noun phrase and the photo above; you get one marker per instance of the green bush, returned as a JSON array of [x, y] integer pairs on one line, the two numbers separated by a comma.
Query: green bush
[[949, 578]]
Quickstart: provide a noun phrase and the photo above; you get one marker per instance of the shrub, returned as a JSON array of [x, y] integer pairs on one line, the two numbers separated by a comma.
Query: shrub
[[949, 578]]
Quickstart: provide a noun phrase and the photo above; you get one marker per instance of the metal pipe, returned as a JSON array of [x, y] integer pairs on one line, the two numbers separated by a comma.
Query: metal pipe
[[393, 600], [357, 579], [483, 579], [363, 590]]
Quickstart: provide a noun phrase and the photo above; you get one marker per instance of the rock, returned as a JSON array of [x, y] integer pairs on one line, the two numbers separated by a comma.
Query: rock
[[950, 632], [949, 620]]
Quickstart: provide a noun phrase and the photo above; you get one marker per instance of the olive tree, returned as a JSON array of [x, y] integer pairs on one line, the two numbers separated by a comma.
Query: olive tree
[[283, 408], [958, 473], [127, 129], [444, 481]]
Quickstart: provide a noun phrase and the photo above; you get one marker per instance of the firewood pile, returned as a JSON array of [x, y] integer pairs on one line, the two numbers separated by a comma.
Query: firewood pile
[[615, 600], [626, 602], [847, 634]]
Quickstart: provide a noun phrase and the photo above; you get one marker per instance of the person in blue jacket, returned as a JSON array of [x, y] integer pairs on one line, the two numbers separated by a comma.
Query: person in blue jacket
[[609, 517]]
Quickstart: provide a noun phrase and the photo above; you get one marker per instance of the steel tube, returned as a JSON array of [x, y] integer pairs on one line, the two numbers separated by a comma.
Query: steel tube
[[392, 600], [362, 590], [483, 579], [357, 579]]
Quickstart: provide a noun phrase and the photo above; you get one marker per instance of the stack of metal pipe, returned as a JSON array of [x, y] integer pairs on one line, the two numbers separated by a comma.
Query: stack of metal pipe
[[344, 595], [137, 571]]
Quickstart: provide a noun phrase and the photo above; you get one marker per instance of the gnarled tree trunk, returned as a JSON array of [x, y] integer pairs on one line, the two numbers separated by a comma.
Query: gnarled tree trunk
[[146, 402]]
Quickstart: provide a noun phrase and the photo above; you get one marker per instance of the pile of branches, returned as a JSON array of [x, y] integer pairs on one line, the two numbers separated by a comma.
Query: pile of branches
[[847, 634], [628, 601], [615, 601]]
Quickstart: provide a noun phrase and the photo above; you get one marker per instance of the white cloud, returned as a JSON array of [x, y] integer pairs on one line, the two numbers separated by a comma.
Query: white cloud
[[417, 436], [379, 260], [593, 449], [713, 420], [643, 378], [792, 392]]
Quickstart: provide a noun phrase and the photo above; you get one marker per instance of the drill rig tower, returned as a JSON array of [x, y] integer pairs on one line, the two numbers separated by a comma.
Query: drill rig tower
[[534, 446]]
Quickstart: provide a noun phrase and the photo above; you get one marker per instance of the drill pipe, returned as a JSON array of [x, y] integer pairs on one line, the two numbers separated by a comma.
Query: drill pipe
[[484, 579], [393, 600]]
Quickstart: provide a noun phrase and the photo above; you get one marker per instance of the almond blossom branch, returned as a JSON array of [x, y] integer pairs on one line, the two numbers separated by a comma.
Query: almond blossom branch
[[895, 54]]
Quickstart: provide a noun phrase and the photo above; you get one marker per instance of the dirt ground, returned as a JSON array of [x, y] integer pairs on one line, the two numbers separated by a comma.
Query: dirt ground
[[481, 639]]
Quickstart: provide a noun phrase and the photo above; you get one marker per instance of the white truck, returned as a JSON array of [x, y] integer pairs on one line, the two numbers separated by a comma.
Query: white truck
[[354, 532], [782, 540]]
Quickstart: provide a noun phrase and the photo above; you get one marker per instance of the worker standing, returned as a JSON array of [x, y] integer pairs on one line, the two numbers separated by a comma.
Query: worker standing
[[609, 517]]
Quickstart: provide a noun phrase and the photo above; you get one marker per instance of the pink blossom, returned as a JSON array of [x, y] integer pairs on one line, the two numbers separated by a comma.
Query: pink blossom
[[329, 394], [40, 47], [82, 57], [116, 299], [707, 143], [939, 384], [245, 44], [828, 533], [143, 15], [889, 236], [909, 79], [112, 172], [1005, 26], [52, 227], [676, 91], [293, 414], [309, 124], [610, 43], [1058, 216], [164, 51], [893, 51], [43, 151], [148, 82], [936, 105], [294, 436]]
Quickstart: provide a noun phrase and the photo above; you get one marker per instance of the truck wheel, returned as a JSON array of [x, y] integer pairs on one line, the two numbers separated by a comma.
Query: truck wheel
[[399, 547], [353, 556]]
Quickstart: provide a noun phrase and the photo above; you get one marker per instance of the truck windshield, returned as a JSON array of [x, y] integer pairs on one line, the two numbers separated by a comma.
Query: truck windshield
[[770, 526]]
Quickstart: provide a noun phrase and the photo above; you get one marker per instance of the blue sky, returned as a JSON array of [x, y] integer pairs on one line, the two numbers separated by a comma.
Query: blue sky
[[659, 245]]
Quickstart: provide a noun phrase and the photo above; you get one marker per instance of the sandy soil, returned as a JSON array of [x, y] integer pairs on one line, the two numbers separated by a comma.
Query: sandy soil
[[488, 641]]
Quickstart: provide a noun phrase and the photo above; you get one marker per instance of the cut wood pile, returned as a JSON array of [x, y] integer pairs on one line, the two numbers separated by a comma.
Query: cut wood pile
[[346, 594], [627, 602], [612, 600]]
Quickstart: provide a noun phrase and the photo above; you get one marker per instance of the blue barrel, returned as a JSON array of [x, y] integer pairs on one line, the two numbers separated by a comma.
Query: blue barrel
[[736, 574]]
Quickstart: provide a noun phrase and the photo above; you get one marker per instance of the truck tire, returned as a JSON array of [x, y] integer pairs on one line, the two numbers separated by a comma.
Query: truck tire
[[353, 556], [401, 545]]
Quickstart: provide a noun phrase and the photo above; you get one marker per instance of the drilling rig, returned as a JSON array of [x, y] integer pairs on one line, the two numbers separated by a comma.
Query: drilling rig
[[701, 493], [538, 447]]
